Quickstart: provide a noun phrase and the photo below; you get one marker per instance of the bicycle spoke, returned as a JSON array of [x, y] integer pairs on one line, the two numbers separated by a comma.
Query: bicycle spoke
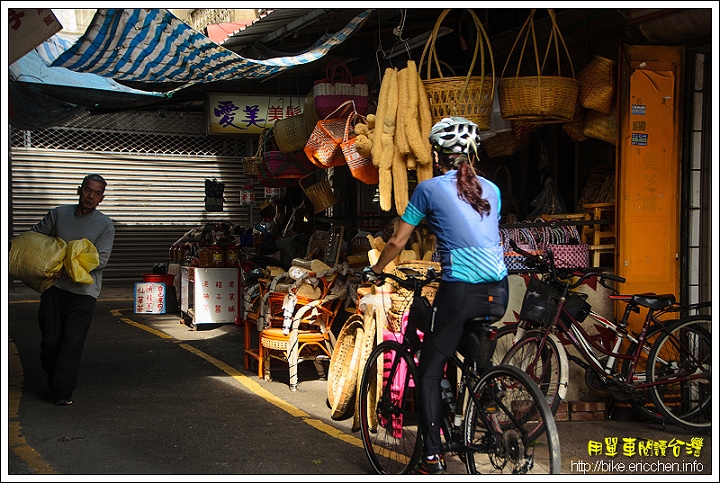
[[388, 417], [505, 409]]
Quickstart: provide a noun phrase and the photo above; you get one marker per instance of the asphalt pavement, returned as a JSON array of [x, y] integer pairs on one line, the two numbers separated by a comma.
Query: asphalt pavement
[[159, 398]]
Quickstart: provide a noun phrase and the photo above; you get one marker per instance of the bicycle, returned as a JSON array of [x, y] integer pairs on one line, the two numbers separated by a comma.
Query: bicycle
[[668, 362], [495, 422]]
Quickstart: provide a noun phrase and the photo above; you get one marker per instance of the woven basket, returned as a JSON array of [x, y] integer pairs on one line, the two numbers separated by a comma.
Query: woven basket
[[369, 341], [601, 126], [250, 165], [291, 133], [320, 194], [288, 165], [574, 127], [538, 98], [344, 365], [596, 85], [467, 96]]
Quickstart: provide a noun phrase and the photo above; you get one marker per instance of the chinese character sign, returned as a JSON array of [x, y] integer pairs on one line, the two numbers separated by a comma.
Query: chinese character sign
[[28, 28], [216, 295], [150, 297], [238, 114]]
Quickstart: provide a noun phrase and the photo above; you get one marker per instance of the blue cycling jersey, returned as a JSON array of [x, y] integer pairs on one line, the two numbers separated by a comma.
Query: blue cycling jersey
[[469, 245]]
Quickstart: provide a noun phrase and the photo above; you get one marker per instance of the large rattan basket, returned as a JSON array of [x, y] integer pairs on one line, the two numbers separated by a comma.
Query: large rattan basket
[[345, 365], [469, 96], [538, 98]]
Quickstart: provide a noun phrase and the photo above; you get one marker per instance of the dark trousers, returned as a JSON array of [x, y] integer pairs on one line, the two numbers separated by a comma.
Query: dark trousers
[[455, 303], [64, 319]]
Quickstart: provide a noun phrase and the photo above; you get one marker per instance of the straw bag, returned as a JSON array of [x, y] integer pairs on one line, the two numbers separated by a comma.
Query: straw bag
[[596, 85], [538, 98], [323, 146], [468, 96], [271, 155], [361, 167], [250, 162], [320, 194], [338, 86], [292, 133]]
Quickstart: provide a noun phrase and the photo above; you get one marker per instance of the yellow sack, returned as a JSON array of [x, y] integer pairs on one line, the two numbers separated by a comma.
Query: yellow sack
[[81, 258], [34, 258]]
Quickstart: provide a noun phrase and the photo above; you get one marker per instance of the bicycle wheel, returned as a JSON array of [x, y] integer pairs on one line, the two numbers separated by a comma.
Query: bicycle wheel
[[504, 408], [681, 360], [641, 403], [505, 336], [389, 422], [547, 366]]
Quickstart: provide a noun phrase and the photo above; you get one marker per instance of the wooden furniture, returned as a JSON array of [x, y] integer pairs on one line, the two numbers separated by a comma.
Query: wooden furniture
[[600, 237]]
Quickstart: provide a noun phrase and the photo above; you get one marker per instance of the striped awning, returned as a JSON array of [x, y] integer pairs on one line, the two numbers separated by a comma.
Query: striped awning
[[154, 46]]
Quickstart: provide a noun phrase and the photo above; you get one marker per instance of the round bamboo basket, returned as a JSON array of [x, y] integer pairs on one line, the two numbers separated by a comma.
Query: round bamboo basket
[[344, 365], [541, 99]]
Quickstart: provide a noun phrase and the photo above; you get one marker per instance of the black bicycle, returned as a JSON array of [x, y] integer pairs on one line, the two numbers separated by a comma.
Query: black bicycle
[[496, 421]]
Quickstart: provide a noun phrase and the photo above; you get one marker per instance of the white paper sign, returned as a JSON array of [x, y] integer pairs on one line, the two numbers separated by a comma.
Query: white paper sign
[[150, 297]]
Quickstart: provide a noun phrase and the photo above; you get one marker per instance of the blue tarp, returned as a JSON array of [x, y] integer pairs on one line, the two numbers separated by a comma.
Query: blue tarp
[[154, 46], [35, 68]]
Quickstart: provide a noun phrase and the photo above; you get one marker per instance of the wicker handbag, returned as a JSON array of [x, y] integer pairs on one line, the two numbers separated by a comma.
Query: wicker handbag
[[361, 167], [538, 98], [293, 132], [250, 163], [338, 86], [323, 146], [469, 96]]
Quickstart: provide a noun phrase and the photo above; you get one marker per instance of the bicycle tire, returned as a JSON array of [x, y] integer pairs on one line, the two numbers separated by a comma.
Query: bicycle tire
[[550, 371], [641, 403], [685, 351], [498, 425], [505, 338], [389, 423]]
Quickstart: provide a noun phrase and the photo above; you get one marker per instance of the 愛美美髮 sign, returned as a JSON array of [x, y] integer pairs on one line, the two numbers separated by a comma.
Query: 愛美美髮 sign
[[249, 114]]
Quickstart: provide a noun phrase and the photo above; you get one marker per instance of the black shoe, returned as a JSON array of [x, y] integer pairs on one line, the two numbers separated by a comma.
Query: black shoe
[[63, 401], [433, 465]]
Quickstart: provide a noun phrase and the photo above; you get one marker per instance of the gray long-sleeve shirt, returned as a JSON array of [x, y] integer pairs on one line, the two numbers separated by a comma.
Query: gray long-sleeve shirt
[[97, 227]]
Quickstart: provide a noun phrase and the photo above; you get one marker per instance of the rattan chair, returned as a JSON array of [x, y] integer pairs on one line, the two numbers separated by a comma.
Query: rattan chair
[[297, 328]]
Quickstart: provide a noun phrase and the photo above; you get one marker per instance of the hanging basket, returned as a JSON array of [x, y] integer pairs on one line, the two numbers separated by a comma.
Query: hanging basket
[[538, 98], [469, 96], [320, 194], [291, 133], [596, 85]]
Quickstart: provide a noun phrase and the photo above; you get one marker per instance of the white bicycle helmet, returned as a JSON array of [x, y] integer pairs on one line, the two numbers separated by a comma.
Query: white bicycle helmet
[[455, 135]]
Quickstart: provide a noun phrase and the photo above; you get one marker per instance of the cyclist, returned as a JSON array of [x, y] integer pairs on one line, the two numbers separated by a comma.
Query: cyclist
[[462, 209]]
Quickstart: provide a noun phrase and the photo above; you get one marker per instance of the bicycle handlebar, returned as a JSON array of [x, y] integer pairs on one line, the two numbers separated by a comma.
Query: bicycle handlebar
[[414, 281], [546, 263]]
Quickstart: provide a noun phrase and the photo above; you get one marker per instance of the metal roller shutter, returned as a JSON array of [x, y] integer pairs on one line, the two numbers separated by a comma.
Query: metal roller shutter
[[156, 181]]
